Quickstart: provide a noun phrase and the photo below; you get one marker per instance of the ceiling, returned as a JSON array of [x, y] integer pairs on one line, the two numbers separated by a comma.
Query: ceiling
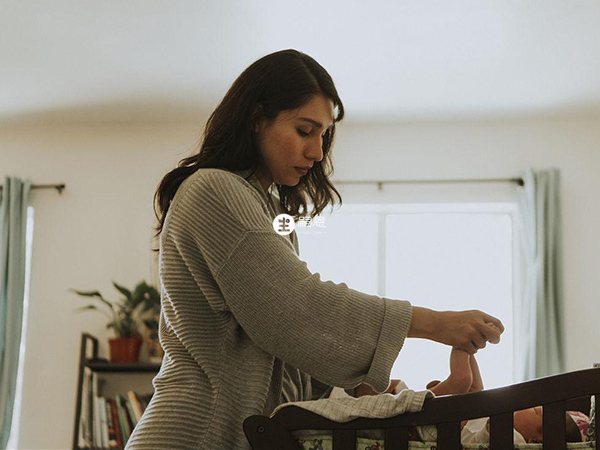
[[150, 60]]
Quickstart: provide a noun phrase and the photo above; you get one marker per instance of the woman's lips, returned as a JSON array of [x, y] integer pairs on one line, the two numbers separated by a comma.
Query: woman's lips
[[301, 171]]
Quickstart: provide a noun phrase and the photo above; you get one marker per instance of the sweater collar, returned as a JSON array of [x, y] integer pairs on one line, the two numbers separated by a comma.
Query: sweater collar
[[253, 180], [270, 199]]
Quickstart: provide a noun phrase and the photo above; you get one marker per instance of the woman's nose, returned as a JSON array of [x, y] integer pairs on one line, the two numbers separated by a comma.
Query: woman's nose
[[314, 150]]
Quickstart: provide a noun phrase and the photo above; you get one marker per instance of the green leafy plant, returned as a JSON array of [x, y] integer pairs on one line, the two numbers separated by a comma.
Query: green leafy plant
[[141, 301]]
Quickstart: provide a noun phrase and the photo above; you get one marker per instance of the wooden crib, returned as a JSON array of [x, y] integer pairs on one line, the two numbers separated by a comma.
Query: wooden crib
[[557, 394]]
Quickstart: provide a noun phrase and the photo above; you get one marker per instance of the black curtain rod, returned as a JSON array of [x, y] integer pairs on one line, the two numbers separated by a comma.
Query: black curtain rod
[[380, 183], [58, 187]]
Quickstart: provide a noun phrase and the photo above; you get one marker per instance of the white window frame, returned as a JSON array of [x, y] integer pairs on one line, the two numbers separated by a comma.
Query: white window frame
[[382, 210]]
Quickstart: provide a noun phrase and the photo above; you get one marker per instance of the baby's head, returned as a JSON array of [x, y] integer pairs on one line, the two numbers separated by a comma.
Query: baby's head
[[528, 422]]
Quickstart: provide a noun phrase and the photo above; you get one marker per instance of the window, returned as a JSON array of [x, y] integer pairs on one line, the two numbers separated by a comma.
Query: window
[[440, 256]]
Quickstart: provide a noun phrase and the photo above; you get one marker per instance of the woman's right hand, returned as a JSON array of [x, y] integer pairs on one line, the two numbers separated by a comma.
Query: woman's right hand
[[466, 330]]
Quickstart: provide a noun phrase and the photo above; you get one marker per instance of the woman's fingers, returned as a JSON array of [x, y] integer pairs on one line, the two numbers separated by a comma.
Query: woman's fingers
[[470, 348], [466, 330], [479, 333]]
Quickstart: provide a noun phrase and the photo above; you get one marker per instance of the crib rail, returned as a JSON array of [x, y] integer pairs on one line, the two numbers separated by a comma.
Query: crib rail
[[446, 413]]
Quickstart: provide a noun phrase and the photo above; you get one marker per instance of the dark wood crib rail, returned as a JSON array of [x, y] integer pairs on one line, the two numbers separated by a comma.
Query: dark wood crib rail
[[555, 393]]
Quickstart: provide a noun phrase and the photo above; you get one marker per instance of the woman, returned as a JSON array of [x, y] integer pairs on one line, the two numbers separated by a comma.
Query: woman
[[244, 324]]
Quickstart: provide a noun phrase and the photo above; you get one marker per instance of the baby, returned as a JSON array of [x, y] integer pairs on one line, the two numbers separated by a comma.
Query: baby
[[465, 377]]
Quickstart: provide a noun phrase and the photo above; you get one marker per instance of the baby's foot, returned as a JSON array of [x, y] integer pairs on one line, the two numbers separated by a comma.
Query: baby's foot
[[432, 384], [495, 328]]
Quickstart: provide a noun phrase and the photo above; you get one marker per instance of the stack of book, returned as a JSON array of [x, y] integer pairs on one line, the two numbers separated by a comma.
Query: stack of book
[[105, 422]]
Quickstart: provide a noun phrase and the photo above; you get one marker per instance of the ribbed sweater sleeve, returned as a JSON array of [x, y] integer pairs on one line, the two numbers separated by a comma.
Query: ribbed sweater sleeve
[[339, 335]]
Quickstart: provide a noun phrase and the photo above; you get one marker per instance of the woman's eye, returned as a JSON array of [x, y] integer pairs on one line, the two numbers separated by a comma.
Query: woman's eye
[[303, 133]]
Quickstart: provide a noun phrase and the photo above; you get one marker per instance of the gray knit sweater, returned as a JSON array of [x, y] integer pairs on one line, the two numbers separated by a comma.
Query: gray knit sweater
[[245, 325]]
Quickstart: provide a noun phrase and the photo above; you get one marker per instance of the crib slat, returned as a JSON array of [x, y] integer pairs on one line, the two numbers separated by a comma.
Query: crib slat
[[554, 426], [501, 431], [449, 436], [396, 438], [344, 439]]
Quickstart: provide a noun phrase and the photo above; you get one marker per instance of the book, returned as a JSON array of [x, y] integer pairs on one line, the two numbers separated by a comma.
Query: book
[[115, 416], [97, 425], [131, 412], [112, 438], [122, 419], [135, 403], [128, 421], [103, 422]]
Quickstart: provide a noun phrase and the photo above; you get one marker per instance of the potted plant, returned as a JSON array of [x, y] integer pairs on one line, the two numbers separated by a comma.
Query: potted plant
[[155, 351], [123, 318]]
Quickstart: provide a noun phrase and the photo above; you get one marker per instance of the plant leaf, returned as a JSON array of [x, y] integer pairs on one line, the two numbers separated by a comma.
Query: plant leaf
[[87, 293], [126, 292], [96, 295], [86, 308]]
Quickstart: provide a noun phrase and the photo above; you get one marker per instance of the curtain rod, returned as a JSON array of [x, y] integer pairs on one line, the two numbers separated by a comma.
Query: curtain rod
[[58, 187], [380, 183]]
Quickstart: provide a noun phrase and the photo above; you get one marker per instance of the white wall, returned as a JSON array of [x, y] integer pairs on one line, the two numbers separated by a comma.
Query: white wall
[[100, 228]]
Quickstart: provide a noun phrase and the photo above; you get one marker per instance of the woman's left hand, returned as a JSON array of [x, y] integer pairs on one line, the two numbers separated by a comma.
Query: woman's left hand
[[366, 389]]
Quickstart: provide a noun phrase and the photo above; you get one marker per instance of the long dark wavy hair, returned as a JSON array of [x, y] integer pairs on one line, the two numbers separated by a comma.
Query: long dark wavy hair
[[281, 81]]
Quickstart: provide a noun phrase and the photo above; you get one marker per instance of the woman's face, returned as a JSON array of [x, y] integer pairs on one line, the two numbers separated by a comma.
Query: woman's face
[[292, 140]]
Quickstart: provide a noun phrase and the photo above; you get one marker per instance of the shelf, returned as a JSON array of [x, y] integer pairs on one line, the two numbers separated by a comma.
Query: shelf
[[114, 367], [96, 364]]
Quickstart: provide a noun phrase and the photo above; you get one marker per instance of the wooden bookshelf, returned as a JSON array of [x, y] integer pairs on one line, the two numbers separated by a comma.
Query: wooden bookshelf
[[100, 365], [111, 367]]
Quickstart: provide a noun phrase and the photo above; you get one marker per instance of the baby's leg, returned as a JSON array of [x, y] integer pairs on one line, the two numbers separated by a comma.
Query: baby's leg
[[461, 376], [477, 381]]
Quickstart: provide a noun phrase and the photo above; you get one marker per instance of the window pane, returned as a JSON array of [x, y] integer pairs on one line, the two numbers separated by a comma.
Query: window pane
[[344, 251], [451, 262]]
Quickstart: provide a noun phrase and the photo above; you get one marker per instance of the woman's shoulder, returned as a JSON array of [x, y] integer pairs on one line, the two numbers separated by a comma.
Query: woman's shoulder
[[210, 197], [213, 181], [205, 177], [201, 189]]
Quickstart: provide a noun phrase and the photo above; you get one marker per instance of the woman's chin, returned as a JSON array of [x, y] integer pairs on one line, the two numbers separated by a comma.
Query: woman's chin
[[290, 181]]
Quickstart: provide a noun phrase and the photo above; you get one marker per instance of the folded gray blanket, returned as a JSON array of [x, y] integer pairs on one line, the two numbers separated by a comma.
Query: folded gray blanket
[[345, 409]]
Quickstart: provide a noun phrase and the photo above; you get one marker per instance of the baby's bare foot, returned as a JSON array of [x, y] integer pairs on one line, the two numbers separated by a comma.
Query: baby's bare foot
[[495, 328], [432, 384]]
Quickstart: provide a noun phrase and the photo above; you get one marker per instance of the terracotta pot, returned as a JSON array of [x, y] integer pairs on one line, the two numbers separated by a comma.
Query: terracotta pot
[[125, 350]]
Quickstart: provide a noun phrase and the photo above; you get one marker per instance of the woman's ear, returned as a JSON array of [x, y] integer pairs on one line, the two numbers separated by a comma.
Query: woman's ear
[[257, 118]]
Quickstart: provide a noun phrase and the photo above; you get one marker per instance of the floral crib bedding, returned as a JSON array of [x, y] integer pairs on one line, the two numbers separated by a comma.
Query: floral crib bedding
[[322, 440]]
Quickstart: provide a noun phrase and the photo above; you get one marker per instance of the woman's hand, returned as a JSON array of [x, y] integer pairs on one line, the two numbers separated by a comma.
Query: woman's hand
[[365, 389], [466, 330]]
